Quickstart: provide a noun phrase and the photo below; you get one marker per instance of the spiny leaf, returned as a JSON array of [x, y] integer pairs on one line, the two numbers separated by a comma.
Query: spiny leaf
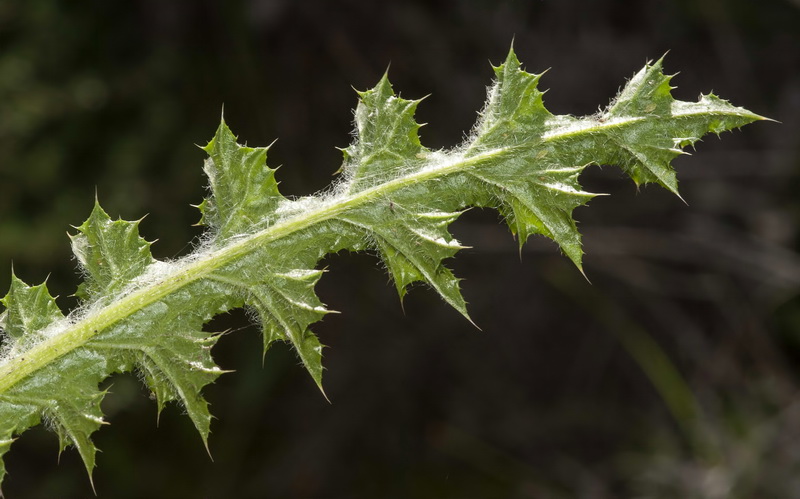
[[244, 190], [413, 244], [287, 305], [537, 188], [395, 198], [388, 141], [646, 150], [177, 368], [514, 112], [29, 309], [282, 294], [111, 252]]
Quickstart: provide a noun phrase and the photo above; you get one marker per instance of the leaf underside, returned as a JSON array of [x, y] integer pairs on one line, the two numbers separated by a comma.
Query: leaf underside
[[395, 198]]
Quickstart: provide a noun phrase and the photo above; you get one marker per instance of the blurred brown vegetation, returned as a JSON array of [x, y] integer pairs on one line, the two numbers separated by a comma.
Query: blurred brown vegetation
[[674, 374]]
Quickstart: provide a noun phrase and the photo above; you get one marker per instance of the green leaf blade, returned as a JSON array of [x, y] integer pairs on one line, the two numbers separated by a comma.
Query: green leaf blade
[[287, 305], [387, 139], [29, 310], [412, 245], [514, 112], [654, 127], [71, 409], [111, 252], [244, 192]]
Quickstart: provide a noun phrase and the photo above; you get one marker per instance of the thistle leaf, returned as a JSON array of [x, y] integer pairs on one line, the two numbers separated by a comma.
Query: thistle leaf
[[29, 309], [537, 188], [287, 305], [388, 141], [645, 150], [395, 198], [244, 192], [413, 244], [111, 253]]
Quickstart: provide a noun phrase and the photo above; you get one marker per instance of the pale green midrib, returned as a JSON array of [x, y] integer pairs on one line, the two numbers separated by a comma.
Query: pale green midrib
[[38, 357], [30, 361]]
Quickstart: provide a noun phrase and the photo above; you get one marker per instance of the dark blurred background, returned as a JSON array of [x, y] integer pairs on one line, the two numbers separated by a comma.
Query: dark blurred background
[[675, 373]]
